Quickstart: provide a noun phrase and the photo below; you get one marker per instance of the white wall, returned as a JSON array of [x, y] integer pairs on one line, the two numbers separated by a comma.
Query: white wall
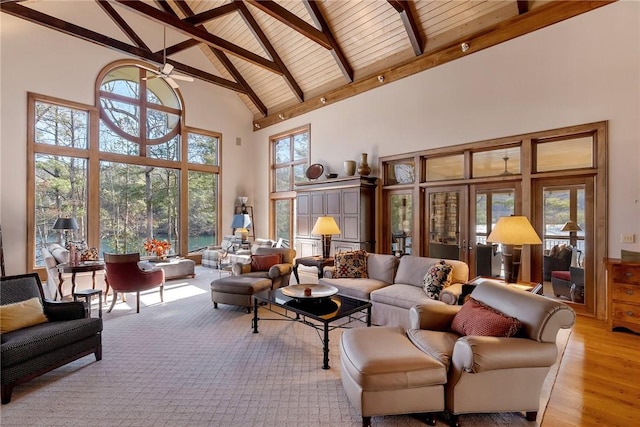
[[578, 71], [44, 61], [582, 70]]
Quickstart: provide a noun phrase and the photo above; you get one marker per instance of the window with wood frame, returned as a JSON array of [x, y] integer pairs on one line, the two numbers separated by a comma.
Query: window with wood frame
[[290, 154], [152, 177]]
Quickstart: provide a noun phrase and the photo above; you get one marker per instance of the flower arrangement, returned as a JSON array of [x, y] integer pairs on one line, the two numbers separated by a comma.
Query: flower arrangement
[[157, 247]]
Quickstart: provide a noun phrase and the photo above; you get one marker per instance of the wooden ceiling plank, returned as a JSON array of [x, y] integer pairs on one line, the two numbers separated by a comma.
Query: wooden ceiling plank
[[39, 18], [204, 36], [292, 21], [336, 50], [122, 24], [410, 25], [543, 16], [257, 31], [209, 15], [227, 64]]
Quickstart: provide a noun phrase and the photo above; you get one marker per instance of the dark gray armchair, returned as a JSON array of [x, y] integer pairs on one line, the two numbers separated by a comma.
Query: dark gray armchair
[[67, 335]]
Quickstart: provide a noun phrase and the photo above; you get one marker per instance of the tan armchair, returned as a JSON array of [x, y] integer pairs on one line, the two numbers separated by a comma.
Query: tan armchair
[[493, 374], [279, 274]]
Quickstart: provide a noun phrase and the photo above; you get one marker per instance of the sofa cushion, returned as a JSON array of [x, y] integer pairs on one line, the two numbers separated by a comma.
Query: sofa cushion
[[476, 318], [351, 264], [412, 269], [382, 267], [28, 343], [399, 295], [437, 278], [21, 315], [356, 288], [265, 262]]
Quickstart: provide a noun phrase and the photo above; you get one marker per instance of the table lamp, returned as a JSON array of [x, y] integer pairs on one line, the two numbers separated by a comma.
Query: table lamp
[[240, 224], [66, 224], [325, 226], [572, 228], [513, 232]]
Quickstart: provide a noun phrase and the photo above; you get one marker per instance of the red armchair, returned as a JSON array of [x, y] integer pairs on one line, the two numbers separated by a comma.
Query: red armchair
[[123, 275]]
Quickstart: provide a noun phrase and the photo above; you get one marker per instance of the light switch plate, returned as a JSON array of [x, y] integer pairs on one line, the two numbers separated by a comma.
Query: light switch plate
[[628, 238]]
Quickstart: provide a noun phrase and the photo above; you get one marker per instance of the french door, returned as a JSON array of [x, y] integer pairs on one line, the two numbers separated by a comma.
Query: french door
[[447, 228]]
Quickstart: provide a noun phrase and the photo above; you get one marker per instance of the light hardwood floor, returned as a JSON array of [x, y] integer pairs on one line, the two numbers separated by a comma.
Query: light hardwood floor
[[598, 383]]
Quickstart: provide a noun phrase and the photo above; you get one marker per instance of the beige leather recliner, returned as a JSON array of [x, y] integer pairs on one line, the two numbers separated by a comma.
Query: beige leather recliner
[[489, 374]]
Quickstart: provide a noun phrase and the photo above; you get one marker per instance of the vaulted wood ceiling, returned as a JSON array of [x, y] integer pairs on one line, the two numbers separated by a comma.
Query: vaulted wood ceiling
[[287, 57]]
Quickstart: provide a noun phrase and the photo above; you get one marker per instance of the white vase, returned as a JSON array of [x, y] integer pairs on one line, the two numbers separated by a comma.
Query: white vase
[[349, 167]]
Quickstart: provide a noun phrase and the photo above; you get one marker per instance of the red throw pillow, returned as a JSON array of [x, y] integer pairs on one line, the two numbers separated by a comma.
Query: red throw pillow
[[265, 262], [476, 318]]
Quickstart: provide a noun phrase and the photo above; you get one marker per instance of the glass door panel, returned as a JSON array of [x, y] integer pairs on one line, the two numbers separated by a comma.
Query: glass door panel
[[401, 221], [447, 235], [488, 204]]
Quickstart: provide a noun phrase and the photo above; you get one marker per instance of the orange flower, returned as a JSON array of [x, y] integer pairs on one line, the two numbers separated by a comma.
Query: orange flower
[[159, 247]]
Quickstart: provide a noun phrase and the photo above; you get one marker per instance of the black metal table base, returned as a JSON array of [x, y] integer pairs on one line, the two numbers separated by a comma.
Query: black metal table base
[[301, 318]]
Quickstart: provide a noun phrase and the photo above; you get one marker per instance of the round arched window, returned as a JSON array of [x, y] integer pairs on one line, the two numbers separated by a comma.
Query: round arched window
[[138, 106]]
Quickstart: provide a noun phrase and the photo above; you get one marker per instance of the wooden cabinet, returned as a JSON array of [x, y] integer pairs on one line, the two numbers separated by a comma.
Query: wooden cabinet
[[349, 200], [623, 294]]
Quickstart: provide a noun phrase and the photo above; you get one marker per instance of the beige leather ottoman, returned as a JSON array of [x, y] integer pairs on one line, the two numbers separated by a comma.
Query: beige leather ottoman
[[383, 373], [237, 290]]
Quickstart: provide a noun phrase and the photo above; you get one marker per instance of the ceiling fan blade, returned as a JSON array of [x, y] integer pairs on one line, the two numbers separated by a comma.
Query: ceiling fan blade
[[152, 76], [171, 82], [181, 77], [166, 68]]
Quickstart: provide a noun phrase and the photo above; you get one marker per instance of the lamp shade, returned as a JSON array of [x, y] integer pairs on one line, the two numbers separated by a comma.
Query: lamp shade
[[571, 226], [65, 224], [325, 225], [241, 221], [514, 230]]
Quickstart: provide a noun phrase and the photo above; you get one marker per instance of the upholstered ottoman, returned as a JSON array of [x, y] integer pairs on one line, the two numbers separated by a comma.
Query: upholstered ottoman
[[383, 373], [173, 267], [237, 290]]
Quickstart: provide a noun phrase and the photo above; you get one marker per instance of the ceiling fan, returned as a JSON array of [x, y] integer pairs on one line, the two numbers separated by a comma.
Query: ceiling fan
[[165, 72]]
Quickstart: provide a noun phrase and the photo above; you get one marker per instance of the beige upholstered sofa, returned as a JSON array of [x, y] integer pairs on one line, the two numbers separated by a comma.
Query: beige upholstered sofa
[[228, 252], [486, 371], [394, 285]]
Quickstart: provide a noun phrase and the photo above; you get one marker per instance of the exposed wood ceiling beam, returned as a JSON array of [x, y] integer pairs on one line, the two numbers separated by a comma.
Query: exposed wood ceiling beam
[[222, 57], [204, 36], [523, 6], [122, 24], [208, 15], [70, 29], [266, 45], [543, 16], [179, 47], [336, 51], [410, 25], [289, 19]]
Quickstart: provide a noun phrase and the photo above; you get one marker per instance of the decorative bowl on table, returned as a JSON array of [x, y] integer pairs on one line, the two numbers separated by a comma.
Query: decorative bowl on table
[[331, 175], [309, 291]]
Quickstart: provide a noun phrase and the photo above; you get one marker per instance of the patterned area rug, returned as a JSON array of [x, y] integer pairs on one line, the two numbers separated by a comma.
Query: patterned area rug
[[182, 363]]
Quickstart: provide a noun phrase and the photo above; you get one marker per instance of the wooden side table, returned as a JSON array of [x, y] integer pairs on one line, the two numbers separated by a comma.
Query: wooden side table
[[82, 267], [312, 261]]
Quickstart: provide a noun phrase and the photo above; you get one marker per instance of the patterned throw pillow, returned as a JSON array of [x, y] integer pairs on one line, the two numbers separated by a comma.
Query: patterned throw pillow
[[265, 262], [476, 318], [351, 265], [437, 278]]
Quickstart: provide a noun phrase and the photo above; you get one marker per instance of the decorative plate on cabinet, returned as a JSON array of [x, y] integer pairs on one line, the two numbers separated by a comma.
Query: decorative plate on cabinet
[[314, 171]]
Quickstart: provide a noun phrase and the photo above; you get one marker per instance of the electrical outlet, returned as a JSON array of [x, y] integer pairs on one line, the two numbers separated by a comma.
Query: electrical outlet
[[628, 238]]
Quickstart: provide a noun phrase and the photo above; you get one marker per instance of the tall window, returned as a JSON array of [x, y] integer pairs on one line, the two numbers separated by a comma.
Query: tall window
[[289, 162], [153, 177]]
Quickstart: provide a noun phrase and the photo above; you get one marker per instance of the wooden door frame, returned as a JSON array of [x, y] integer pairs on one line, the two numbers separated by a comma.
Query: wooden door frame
[[463, 220]]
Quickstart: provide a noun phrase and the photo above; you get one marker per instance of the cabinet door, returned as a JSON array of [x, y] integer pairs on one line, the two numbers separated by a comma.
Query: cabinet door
[[303, 220], [351, 220], [308, 247]]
